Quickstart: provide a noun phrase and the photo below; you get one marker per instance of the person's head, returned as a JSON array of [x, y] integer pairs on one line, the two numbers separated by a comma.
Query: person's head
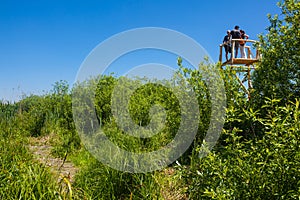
[[242, 31], [236, 27], [228, 32]]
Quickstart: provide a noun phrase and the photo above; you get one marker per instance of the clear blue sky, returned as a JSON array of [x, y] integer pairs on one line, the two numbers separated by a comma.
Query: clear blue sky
[[46, 41]]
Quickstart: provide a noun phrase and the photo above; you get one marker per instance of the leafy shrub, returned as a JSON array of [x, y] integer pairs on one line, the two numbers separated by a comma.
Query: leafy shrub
[[262, 168]]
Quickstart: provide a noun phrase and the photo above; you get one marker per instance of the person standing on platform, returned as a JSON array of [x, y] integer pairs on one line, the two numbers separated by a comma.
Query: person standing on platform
[[235, 34], [227, 45], [244, 36]]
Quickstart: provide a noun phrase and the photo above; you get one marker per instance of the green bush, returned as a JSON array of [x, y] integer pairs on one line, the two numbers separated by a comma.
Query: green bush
[[262, 168]]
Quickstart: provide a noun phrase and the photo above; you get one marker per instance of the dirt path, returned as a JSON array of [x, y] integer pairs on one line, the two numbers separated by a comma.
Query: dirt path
[[41, 148]]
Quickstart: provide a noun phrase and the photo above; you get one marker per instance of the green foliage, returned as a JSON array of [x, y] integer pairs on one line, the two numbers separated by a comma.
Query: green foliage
[[103, 95], [278, 75], [262, 168], [257, 156], [96, 177], [139, 106], [61, 120], [240, 112], [195, 78], [20, 176], [101, 182], [32, 115]]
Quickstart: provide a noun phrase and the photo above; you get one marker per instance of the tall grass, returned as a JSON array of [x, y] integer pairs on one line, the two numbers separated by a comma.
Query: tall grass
[[21, 177]]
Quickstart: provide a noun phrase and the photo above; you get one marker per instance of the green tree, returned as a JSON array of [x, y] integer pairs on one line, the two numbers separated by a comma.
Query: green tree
[[278, 75]]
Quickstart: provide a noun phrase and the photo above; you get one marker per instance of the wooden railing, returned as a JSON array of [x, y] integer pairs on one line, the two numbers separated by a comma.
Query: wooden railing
[[250, 56]]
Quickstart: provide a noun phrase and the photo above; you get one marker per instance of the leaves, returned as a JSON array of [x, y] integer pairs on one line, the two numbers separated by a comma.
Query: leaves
[[278, 75]]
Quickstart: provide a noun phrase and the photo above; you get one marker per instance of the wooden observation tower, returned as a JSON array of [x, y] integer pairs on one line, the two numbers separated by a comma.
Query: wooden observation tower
[[242, 66]]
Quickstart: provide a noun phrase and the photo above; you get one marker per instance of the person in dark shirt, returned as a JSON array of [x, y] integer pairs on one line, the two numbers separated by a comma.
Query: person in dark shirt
[[227, 45], [235, 34]]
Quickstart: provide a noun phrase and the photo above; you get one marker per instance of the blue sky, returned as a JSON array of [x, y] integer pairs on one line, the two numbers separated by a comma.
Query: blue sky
[[42, 42]]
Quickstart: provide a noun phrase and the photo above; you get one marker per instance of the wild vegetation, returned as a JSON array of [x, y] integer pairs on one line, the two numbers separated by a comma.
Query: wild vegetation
[[257, 155]]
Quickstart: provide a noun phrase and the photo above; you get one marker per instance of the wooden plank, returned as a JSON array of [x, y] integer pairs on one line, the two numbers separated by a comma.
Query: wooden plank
[[240, 61], [252, 41], [220, 56], [249, 78], [248, 52], [257, 54], [241, 67], [244, 61], [232, 52], [242, 85]]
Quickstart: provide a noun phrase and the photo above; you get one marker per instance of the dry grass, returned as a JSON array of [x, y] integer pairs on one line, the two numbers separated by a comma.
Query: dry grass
[[41, 149], [172, 187]]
